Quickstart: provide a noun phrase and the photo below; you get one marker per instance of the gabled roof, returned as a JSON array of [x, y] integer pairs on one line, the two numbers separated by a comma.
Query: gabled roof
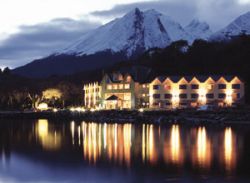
[[201, 78], [175, 79], [162, 78], [113, 97]]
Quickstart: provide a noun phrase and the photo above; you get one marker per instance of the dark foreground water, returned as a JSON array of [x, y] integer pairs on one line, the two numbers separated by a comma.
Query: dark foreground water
[[47, 151]]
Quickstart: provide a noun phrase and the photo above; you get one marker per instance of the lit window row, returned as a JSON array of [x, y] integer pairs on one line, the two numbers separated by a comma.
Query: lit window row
[[92, 90], [196, 86], [145, 95], [91, 98], [118, 86], [194, 96], [145, 104]]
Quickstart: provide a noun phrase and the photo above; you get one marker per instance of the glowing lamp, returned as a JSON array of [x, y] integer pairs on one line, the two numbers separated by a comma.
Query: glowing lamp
[[72, 109], [43, 106], [229, 98], [141, 110], [202, 96], [175, 98]]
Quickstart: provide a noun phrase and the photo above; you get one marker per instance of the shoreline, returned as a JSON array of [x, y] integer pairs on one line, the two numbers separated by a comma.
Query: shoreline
[[193, 117]]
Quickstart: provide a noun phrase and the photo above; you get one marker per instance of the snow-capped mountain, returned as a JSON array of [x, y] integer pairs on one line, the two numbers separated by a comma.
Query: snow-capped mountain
[[136, 31], [239, 26], [198, 30]]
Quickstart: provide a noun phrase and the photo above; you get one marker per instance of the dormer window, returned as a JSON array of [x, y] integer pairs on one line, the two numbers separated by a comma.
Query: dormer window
[[127, 86], [128, 79], [117, 77]]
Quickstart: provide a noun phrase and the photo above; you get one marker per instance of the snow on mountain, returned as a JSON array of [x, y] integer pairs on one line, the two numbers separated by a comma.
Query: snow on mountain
[[136, 31], [198, 30], [238, 26]]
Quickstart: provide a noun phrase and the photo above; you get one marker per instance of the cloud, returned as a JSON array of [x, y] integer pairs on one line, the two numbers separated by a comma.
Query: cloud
[[174, 8], [41, 40], [217, 13]]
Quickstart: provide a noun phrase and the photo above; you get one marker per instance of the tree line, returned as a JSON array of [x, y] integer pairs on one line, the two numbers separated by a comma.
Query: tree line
[[201, 58]]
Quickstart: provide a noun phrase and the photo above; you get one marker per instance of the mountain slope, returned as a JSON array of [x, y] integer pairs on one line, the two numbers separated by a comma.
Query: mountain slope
[[198, 30], [68, 64], [135, 31], [239, 26], [121, 39]]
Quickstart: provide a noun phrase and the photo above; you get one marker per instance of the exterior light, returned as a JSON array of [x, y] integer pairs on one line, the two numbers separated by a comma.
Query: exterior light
[[175, 98], [72, 109], [78, 109], [202, 96], [229, 98], [55, 110], [43, 107], [92, 110], [141, 110]]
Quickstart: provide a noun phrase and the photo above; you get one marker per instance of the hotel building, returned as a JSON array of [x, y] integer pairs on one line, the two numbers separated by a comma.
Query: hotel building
[[121, 91]]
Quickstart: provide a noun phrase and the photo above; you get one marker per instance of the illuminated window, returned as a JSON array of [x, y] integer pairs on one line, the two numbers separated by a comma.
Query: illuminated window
[[195, 86], [183, 87], [210, 86], [127, 86], [127, 96], [167, 87], [115, 87], [120, 86], [128, 79], [235, 86], [109, 87], [120, 77]]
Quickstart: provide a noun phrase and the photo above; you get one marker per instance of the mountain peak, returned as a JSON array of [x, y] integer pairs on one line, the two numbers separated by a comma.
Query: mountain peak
[[198, 29], [196, 23], [239, 26], [134, 12], [152, 11], [134, 33]]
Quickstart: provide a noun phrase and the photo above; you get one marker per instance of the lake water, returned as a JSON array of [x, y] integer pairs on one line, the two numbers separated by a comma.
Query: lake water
[[47, 151]]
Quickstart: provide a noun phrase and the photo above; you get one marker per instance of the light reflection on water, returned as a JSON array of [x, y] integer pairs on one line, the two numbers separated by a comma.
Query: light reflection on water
[[119, 143], [125, 145]]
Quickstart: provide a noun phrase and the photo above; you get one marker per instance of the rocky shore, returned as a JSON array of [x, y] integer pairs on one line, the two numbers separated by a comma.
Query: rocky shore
[[220, 116]]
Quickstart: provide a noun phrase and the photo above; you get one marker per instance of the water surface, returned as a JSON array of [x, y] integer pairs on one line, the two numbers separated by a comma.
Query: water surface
[[47, 151]]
